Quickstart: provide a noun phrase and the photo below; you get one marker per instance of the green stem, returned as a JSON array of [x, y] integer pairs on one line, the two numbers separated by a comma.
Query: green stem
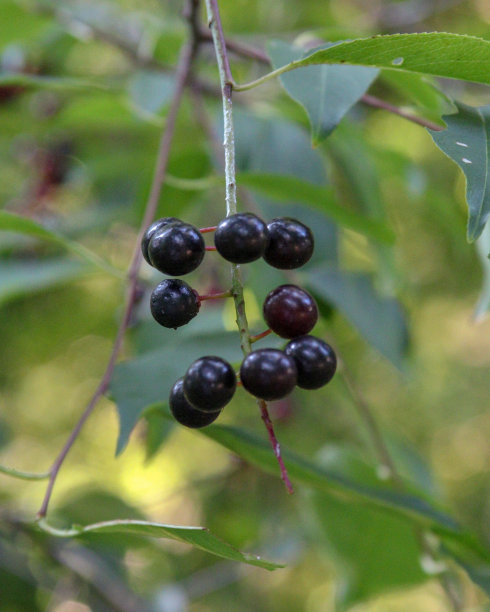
[[266, 77], [226, 81], [8, 471]]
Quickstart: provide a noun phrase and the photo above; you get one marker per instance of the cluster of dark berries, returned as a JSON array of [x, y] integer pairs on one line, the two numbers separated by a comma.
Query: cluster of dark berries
[[176, 248], [306, 361]]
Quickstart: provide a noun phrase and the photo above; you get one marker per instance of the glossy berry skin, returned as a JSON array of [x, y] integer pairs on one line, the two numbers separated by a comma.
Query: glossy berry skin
[[186, 414], [269, 374], [291, 244], [241, 238], [174, 303], [176, 249], [290, 311], [209, 383], [155, 226], [315, 360]]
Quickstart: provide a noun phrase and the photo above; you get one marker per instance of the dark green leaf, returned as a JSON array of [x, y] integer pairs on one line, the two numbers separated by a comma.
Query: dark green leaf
[[289, 188], [157, 429], [373, 552], [437, 53], [326, 92], [150, 91], [15, 223], [362, 189], [467, 142], [146, 380], [19, 278], [367, 489], [379, 319], [274, 146], [358, 483]]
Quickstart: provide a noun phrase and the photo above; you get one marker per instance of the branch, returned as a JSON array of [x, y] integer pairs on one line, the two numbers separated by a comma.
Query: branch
[[183, 69], [226, 81], [378, 103]]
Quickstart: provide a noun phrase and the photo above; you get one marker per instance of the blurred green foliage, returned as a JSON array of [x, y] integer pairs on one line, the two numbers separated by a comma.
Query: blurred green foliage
[[84, 91]]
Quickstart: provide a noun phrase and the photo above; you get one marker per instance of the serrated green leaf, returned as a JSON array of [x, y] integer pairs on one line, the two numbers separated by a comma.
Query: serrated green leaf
[[326, 92], [289, 188], [11, 222], [379, 319], [442, 54], [199, 537], [467, 142]]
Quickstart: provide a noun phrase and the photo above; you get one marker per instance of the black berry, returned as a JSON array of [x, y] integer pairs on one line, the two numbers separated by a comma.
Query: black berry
[[290, 244], [174, 303], [156, 225], [241, 238], [269, 374], [176, 248], [290, 311], [186, 414], [315, 360], [209, 384]]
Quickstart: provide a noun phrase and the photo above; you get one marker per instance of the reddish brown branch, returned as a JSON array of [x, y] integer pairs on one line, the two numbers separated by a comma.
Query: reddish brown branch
[[378, 103], [275, 445], [182, 74]]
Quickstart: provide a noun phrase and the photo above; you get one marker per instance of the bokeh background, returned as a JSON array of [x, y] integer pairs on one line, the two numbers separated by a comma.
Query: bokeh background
[[81, 111]]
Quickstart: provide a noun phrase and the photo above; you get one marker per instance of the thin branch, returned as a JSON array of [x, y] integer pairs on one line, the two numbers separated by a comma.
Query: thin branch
[[239, 48], [378, 103], [183, 69], [387, 465], [226, 81]]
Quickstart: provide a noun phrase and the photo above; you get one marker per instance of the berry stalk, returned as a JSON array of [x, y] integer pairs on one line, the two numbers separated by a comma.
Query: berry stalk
[[226, 82]]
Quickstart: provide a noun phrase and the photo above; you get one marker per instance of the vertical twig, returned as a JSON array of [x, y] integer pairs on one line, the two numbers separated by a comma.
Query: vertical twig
[[226, 81]]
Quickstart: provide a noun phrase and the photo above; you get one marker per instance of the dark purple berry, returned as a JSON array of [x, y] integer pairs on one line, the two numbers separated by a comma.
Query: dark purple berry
[[290, 311], [209, 383], [176, 249], [290, 245], [186, 414], [269, 374], [241, 238], [155, 226], [174, 303], [316, 361]]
